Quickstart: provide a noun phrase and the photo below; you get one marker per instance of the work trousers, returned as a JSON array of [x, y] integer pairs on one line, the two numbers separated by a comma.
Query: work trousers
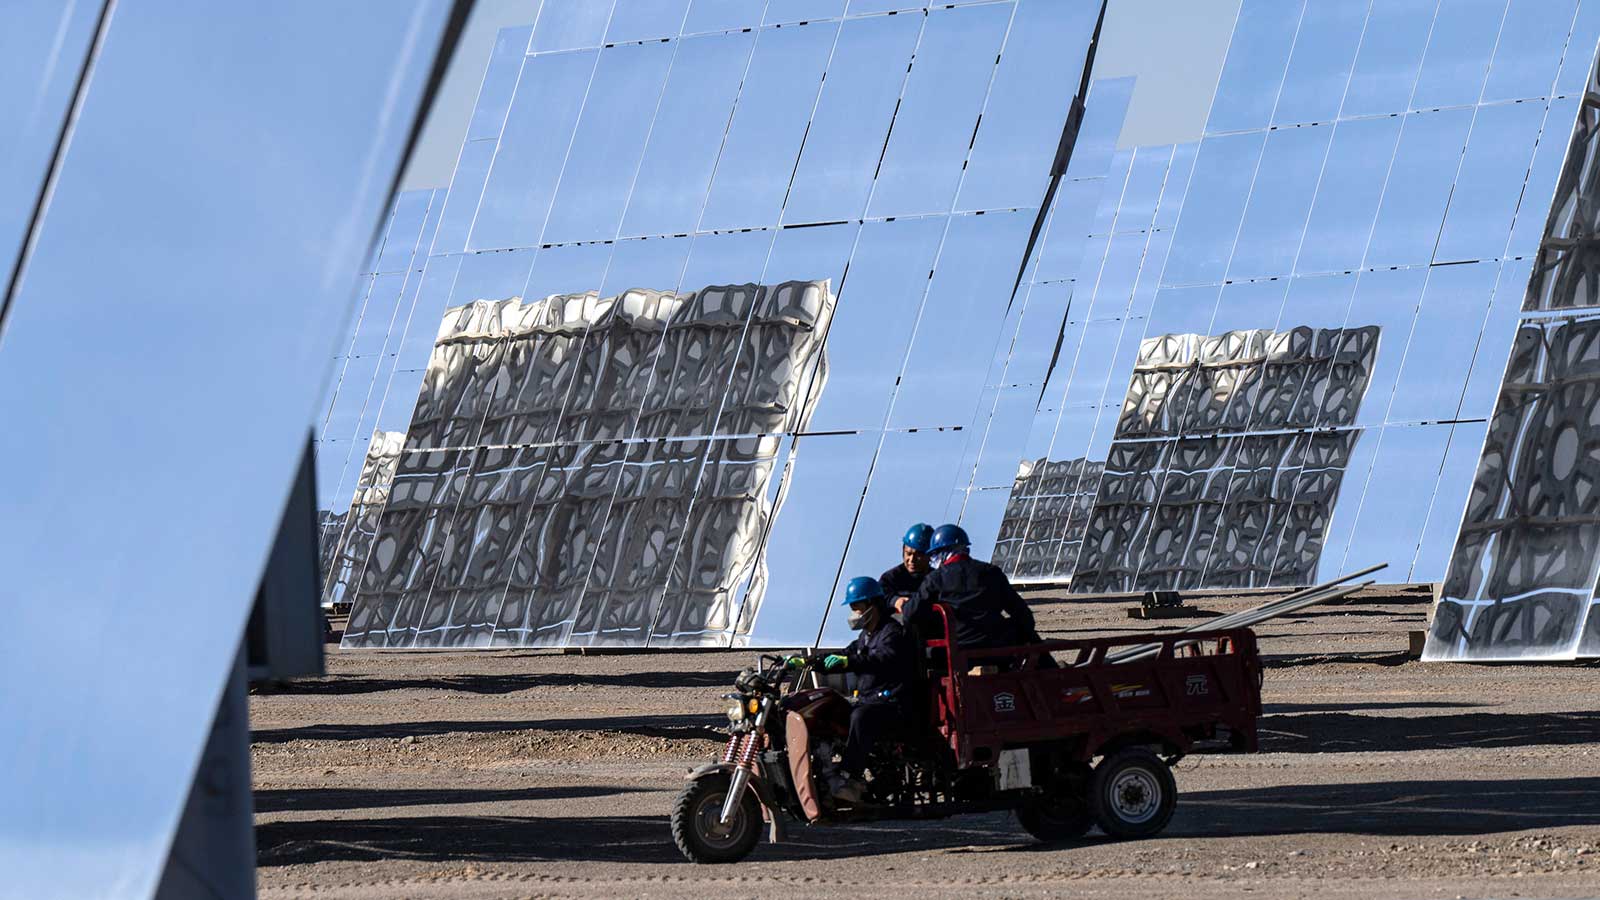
[[871, 723]]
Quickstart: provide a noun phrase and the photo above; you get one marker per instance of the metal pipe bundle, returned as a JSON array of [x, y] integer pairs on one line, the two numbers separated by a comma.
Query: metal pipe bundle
[[1310, 596]]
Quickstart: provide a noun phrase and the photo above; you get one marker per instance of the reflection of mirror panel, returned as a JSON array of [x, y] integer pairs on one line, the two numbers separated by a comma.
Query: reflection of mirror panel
[[684, 532], [499, 83], [1323, 466], [1028, 101], [1212, 208], [671, 186], [1280, 202], [1386, 66], [648, 263], [422, 327], [1143, 299], [935, 122], [570, 24], [637, 20], [1577, 63], [1525, 559], [1060, 249], [1141, 195], [1444, 517], [1004, 442], [1253, 72], [566, 270], [784, 11], [1534, 208], [769, 123], [1439, 354], [1399, 492], [873, 322], [1176, 186], [1527, 53], [1245, 305], [1184, 310], [1105, 215], [436, 482], [981, 513], [1341, 219], [1490, 182], [1040, 333], [1104, 111], [398, 246], [823, 479], [1347, 509], [1494, 345], [1387, 299], [845, 141], [1418, 188], [529, 157], [484, 532], [1319, 66], [466, 189], [492, 276], [1459, 49], [957, 331], [721, 15], [609, 139], [1120, 273]]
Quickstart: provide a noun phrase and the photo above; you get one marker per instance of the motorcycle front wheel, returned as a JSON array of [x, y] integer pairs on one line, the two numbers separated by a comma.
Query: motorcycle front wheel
[[697, 826]]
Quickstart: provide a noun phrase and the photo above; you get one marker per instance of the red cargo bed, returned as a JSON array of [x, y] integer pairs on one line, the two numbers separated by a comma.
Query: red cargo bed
[[1196, 688]]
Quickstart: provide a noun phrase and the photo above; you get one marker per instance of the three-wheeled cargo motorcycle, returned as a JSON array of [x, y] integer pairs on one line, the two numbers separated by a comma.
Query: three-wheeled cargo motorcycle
[[1089, 741]]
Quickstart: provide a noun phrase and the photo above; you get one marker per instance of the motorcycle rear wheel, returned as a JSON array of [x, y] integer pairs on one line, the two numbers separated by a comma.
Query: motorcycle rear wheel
[[696, 825], [1057, 819]]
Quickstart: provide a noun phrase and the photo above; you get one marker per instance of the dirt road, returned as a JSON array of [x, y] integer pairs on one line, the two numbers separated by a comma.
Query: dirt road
[[518, 774]]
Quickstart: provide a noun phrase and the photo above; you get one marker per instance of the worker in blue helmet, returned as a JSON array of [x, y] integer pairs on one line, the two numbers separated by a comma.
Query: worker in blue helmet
[[883, 659], [903, 580], [985, 610]]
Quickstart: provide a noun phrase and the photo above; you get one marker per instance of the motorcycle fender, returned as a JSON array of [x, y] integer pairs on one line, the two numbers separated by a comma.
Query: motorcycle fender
[[764, 793], [798, 741]]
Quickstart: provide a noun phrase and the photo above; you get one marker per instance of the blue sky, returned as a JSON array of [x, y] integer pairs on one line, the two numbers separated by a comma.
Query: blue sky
[[1174, 47]]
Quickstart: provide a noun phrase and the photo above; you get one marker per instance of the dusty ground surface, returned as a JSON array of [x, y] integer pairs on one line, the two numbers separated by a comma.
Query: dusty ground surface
[[531, 774]]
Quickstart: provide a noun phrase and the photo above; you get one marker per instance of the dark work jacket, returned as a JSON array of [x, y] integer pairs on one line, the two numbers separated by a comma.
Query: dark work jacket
[[899, 580], [985, 610], [884, 660]]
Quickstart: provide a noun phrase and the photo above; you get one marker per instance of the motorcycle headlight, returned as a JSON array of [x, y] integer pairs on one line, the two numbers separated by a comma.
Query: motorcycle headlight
[[736, 713]]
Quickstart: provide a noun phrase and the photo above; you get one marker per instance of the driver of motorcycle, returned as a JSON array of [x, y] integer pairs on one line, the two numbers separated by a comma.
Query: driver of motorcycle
[[884, 661]]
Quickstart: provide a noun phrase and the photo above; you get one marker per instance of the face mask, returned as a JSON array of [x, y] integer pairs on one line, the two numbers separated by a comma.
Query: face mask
[[863, 619]]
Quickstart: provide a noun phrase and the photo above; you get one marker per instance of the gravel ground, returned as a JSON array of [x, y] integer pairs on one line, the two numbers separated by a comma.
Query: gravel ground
[[536, 774]]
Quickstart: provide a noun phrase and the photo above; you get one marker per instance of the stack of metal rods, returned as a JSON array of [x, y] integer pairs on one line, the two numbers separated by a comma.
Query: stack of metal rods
[[1320, 593]]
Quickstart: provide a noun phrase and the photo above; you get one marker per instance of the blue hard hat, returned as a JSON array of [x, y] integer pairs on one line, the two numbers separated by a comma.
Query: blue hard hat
[[948, 537], [861, 589], [917, 537]]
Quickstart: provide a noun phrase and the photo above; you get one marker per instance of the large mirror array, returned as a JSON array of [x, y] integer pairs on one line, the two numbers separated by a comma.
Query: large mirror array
[[711, 304], [722, 298], [1522, 581], [1284, 345], [186, 191]]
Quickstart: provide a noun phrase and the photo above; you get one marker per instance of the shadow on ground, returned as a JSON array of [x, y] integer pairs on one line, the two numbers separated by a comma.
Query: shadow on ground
[[504, 683], [320, 799], [1401, 808], [700, 726], [1348, 732]]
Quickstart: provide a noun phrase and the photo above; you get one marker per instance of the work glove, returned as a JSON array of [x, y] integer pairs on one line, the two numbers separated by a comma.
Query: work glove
[[835, 661], [794, 662]]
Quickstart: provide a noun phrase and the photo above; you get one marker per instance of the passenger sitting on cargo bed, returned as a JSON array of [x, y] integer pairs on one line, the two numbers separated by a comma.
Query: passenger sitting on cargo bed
[[904, 580], [985, 611]]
